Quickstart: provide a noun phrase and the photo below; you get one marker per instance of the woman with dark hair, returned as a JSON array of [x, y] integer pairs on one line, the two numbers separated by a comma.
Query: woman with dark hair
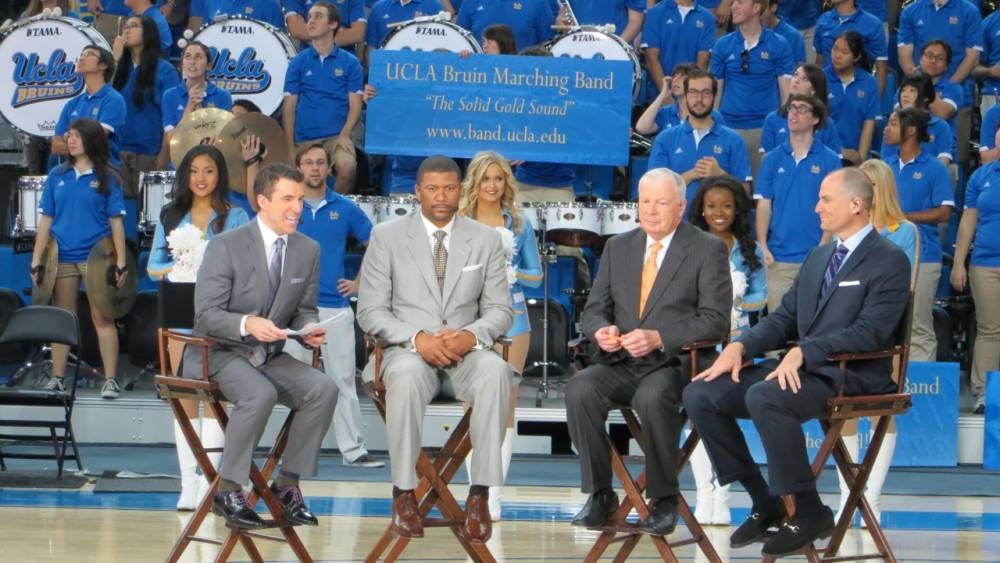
[[200, 198], [498, 39], [854, 95], [81, 205], [807, 79], [917, 91], [721, 207], [142, 76]]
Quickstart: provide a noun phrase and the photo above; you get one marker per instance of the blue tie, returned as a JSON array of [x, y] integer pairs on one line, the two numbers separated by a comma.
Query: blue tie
[[836, 261]]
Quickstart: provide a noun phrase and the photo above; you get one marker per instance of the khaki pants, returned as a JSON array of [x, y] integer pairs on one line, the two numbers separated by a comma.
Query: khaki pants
[[923, 342], [133, 165], [807, 35], [985, 282], [780, 276], [540, 194], [752, 139]]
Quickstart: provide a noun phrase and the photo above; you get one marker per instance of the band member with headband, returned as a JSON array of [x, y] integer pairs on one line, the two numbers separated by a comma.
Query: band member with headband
[[82, 204], [353, 25]]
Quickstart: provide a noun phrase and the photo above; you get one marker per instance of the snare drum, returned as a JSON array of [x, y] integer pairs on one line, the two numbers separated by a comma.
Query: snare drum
[[367, 204], [533, 214], [618, 217], [249, 59], [26, 206], [390, 208], [156, 189], [431, 36], [38, 70], [589, 42], [573, 224]]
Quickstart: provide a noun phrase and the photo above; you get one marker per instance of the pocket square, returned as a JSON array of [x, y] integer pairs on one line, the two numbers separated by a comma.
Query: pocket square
[[298, 280], [472, 268], [850, 283]]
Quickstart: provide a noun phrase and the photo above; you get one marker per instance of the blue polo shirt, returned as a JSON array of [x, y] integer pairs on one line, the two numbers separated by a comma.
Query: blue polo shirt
[[877, 8], [106, 106], [668, 116], [775, 132], [793, 188], [166, 39], [143, 131], [953, 94], [402, 174], [991, 50], [385, 12], [958, 23], [323, 86], [114, 7], [983, 194], [747, 97], [600, 12], [852, 104], [242, 201], [941, 143], [988, 130], [796, 43], [79, 213], [350, 10], [922, 184], [546, 174], [678, 39], [676, 149], [531, 20], [330, 224], [800, 13], [267, 11], [175, 100], [831, 25]]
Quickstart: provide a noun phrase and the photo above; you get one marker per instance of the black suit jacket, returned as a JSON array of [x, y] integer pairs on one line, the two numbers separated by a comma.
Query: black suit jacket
[[859, 313]]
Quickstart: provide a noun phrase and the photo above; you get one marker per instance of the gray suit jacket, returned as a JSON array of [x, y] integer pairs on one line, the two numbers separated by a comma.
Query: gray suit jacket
[[399, 294], [690, 299], [232, 282]]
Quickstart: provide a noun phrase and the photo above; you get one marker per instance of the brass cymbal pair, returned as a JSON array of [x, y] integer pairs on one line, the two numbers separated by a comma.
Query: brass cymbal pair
[[112, 301]]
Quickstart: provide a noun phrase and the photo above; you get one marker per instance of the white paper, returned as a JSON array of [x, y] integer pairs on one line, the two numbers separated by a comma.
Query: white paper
[[310, 327]]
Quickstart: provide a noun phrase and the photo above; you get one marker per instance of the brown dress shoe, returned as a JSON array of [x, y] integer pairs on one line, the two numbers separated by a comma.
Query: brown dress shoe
[[406, 521], [478, 526]]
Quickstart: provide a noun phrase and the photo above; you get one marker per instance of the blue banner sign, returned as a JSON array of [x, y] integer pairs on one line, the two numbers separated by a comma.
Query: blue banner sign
[[991, 428], [541, 109]]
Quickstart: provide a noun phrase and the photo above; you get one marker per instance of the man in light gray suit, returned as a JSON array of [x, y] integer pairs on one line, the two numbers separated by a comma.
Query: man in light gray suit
[[659, 286], [254, 282], [434, 293]]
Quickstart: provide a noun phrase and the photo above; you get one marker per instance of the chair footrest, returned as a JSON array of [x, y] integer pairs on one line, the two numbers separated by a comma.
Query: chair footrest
[[200, 539], [259, 536], [33, 423], [47, 438], [860, 557], [68, 456], [624, 528], [269, 524], [441, 522]]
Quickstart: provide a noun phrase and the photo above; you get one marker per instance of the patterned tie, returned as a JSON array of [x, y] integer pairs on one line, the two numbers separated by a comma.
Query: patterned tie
[[649, 270], [274, 271], [836, 261], [440, 257]]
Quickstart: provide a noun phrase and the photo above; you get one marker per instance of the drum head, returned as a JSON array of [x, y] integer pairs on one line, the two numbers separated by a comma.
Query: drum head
[[589, 43], [111, 301], [431, 36], [41, 294]]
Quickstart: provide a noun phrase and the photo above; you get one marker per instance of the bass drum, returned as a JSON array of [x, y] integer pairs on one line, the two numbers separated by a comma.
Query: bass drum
[[38, 70], [249, 59], [588, 42], [431, 36]]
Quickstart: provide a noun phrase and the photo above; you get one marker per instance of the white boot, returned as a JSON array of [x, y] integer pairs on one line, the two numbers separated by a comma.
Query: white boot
[[496, 493], [720, 504], [851, 442], [212, 436], [701, 467], [880, 469], [188, 466]]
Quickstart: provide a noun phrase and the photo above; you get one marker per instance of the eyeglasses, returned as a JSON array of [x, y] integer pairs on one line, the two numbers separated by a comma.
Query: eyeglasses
[[800, 109], [745, 61], [87, 53], [707, 93], [931, 57]]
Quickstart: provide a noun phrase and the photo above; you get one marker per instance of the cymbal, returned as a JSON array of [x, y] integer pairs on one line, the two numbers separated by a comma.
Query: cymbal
[[199, 128], [272, 137], [111, 301], [42, 293]]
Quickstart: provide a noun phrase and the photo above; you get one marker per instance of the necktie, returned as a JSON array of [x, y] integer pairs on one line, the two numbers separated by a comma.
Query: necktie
[[274, 271], [440, 257], [836, 261], [649, 270]]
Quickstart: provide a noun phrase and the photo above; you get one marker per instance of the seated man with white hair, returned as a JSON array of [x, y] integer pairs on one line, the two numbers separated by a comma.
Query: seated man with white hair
[[659, 286]]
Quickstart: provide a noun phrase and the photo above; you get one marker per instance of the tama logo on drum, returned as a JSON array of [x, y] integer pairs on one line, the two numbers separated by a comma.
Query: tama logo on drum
[[37, 81], [236, 30], [585, 37], [244, 74], [431, 31], [43, 32]]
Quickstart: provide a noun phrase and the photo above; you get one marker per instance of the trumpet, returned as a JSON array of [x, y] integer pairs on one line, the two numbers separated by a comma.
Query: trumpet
[[567, 10], [641, 141]]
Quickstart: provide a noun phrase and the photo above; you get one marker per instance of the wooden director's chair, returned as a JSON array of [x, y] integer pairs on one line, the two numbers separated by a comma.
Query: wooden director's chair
[[435, 474], [841, 409], [619, 529], [174, 389]]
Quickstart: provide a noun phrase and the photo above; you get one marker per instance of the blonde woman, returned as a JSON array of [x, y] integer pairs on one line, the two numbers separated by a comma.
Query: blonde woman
[[489, 195]]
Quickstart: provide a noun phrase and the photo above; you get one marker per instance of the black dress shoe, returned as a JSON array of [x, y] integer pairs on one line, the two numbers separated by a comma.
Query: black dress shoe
[[294, 505], [662, 519], [599, 508], [753, 528], [232, 506], [800, 531]]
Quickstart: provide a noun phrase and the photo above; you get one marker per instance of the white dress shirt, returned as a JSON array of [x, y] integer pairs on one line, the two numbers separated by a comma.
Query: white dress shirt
[[664, 243], [269, 237]]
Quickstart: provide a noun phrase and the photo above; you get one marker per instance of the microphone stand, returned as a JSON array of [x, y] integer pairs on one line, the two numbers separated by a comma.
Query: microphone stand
[[548, 255]]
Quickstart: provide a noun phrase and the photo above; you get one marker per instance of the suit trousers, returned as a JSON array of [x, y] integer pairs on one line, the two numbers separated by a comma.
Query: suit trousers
[[254, 392], [481, 379], [778, 415], [655, 397]]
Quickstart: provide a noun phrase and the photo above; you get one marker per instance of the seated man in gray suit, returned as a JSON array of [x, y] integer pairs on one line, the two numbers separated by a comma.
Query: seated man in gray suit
[[434, 293], [254, 282], [659, 286], [848, 297]]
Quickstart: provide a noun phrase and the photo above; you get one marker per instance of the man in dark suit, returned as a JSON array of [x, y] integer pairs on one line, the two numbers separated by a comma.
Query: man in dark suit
[[659, 286], [847, 297], [255, 282]]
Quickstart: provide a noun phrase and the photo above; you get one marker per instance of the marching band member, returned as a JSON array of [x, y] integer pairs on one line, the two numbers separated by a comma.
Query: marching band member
[[917, 91], [796, 43], [81, 205], [385, 13], [949, 97], [199, 198], [847, 16], [810, 80], [353, 21], [531, 20], [267, 11], [957, 23], [854, 97], [35, 7], [194, 92], [148, 9], [675, 33], [626, 15]]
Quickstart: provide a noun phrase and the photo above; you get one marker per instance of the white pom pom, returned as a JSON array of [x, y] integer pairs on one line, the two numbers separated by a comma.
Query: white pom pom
[[182, 43], [57, 11], [188, 34], [46, 12]]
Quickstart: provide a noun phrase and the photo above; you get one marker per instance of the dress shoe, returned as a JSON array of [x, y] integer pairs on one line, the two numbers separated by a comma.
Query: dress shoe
[[800, 531], [599, 508], [233, 506], [478, 525], [406, 521], [753, 528], [662, 518], [294, 506]]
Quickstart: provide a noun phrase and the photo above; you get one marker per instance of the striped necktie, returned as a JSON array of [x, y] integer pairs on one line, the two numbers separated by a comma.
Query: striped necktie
[[440, 257], [836, 262]]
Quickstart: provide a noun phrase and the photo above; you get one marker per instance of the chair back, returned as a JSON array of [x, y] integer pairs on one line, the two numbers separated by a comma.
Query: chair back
[[10, 301], [42, 323], [175, 306], [901, 339]]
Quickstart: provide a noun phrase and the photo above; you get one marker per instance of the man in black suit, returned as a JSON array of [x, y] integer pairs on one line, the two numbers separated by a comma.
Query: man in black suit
[[659, 286], [847, 297]]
